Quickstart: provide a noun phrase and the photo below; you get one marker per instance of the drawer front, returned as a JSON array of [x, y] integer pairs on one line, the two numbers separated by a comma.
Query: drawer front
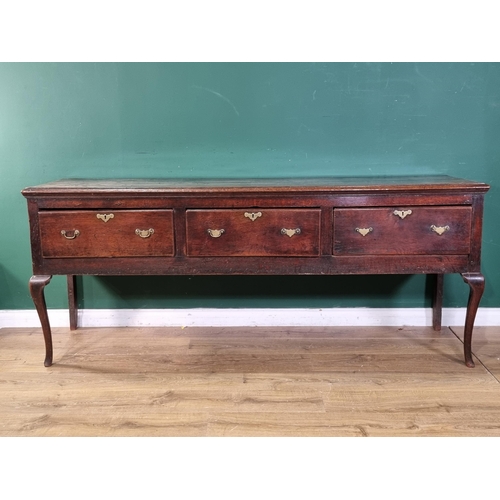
[[118, 233], [402, 231], [253, 232]]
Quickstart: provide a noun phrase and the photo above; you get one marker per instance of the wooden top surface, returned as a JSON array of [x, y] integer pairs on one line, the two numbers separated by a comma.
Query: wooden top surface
[[261, 185]]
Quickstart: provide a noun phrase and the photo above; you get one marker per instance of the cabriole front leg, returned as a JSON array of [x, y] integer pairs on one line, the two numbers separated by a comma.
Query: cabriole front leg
[[476, 284], [37, 285]]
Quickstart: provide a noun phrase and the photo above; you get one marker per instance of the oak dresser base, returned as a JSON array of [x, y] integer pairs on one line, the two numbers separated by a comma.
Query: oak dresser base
[[325, 226]]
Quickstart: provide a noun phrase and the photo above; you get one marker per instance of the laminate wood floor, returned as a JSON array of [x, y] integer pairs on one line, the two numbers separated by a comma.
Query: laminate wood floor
[[376, 381]]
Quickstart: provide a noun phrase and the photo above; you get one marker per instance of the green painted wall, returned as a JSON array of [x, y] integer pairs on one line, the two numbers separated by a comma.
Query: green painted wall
[[244, 119]]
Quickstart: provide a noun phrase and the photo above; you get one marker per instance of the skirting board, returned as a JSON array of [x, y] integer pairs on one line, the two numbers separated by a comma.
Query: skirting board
[[248, 317]]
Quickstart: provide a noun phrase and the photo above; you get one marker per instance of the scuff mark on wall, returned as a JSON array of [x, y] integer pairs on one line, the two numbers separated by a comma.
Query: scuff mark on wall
[[218, 95]]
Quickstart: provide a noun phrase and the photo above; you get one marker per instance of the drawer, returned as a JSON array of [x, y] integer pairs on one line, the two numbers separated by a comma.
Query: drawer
[[118, 233], [402, 230], [253, 232]]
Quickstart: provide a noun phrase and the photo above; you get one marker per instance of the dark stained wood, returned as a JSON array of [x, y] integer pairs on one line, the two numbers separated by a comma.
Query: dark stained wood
[[36, 286], [325, 265], [389, 233], [72, 302], [85, 235], [477, 230], [204, 186], [476, 284], [307, 226], [253, 232], [437, 302]]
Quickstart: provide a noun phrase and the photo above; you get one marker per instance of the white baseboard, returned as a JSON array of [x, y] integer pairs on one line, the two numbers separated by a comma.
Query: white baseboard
[[249, 317]]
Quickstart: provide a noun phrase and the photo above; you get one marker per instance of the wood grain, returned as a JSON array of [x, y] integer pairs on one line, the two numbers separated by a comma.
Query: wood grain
[[248, 227], [115, 238], [391, 235], [261, 237], [377, 381], [307, 184]]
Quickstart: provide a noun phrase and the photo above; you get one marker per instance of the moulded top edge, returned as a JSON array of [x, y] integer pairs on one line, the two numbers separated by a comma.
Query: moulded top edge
[[261, 185]]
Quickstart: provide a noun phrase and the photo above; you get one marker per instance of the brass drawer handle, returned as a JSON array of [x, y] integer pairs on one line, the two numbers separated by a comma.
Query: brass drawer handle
[[253, 215], [363, 231], [440, 229], [144, 233], [105, 217], [402, 213], [70, 235], [290, 232], [215, 233]]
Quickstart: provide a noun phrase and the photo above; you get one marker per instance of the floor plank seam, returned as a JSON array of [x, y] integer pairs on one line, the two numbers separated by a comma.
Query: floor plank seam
[[486, 368], [476, 356], [347, 382]]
